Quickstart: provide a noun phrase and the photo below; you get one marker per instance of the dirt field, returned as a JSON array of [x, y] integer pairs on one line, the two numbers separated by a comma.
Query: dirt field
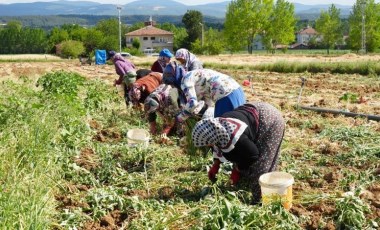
[[323, 90], [321, 162]]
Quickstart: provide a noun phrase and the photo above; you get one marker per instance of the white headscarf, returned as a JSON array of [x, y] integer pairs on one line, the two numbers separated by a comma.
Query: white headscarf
[[187, 56], [222, 132]]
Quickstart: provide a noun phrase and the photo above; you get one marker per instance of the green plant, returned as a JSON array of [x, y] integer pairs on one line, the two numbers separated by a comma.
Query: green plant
[[351, 212], [349, 97], [97, 94], [103, 200], [227, 212], [61, 83], [46, 182]]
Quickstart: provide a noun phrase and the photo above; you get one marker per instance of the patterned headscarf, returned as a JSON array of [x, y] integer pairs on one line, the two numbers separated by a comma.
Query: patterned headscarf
[[187, 56], [135, 93], [151, 105], [130, 77], [222, 132], [156, 99]]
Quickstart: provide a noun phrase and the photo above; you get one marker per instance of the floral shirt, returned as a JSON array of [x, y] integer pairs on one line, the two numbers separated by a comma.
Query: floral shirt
[[207, 85]]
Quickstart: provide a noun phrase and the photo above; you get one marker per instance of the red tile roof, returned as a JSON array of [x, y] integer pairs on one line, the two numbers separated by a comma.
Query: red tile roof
[[148, 31], [308, 30]]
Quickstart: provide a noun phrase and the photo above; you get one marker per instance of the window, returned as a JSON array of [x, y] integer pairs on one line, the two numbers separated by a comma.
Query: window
[[145, 38], [152, 38], [162, 39]]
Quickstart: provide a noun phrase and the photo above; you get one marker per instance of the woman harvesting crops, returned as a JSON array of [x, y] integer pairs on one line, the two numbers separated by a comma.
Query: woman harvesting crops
[[211, 87], [249, 136]]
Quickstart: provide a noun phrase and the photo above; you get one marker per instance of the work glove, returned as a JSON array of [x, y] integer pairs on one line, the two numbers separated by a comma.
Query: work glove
[[235, 176], [167, 129], [164, 139], [214, 170]]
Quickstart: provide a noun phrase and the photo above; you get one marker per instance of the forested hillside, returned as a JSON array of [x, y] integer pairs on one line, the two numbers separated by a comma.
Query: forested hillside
[[51, 21]]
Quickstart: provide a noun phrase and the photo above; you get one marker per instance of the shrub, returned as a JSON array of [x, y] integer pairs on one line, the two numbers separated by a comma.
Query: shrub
[[61, 82], [71, 48]]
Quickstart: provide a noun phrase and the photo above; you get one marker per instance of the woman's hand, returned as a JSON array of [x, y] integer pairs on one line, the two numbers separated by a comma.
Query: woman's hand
[[164, 139], [214, 170], [235, 175]]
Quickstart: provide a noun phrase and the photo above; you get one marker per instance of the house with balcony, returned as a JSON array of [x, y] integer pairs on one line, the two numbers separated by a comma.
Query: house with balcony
[[151, 38]]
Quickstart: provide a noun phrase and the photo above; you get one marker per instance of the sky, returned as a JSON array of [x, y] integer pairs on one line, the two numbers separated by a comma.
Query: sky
[[194, 2]]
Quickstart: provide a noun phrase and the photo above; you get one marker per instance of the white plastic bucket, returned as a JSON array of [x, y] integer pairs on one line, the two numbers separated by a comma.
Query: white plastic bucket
[[138, 136], [277, 186]]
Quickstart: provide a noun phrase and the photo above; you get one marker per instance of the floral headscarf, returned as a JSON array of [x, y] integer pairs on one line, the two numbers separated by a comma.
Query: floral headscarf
[[157, 98], [187, 56], [151, 105], [135, 93], [222, 132]]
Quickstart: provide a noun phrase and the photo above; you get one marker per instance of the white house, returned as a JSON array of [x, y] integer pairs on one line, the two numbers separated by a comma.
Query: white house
[[151, 38], [306, 34]]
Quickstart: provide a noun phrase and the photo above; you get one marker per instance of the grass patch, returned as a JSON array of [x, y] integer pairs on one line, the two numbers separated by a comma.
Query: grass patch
[[368, 68], [66, 164]]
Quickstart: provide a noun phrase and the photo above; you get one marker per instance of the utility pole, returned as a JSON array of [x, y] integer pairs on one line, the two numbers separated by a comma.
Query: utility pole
[[363, 5], [119, 9]]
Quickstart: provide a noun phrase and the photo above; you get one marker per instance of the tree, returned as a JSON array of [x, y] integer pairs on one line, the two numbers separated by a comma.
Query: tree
[[136, 43], [110, 43], [10, 37], [372, 25], [214, 42], [34, 41], [281, 25], [71, 48], [196, 47], [14, 39], [330, 27], [192, 20], [75, 31], [245, 19], [95, 39], [110, 29], [56, 36], [233, 23]]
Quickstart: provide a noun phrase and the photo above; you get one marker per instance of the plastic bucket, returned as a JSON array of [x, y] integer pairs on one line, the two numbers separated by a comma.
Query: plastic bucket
[[277, 186], [138, 137]]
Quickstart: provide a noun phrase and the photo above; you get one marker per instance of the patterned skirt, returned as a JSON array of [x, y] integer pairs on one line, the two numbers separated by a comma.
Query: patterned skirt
[[270, 134]]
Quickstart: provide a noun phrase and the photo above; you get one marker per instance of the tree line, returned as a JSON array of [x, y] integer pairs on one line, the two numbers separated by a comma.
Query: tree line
[[273, 22]]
